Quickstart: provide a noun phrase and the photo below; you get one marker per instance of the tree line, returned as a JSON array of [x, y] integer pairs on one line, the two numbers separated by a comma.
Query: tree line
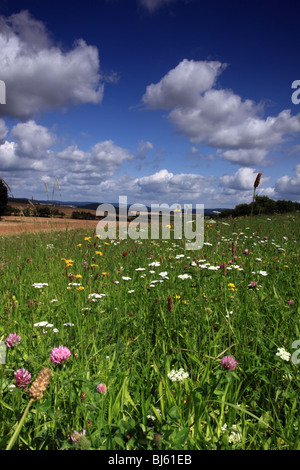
[[262, 205]]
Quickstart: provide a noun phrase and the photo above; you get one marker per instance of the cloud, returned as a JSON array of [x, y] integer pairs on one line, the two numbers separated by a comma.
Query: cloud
[[218, 117], [33, 140], [3, 131], [109, 155], [181, 86], [245, 157], [289, 187], [243, 179], [176, 186], [41, 76]]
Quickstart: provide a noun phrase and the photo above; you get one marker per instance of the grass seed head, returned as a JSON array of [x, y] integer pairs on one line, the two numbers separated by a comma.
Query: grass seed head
[[257, 180], [40, 384]]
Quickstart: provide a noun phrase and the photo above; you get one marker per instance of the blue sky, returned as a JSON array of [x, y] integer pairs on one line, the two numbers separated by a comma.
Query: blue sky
[[163, 101]]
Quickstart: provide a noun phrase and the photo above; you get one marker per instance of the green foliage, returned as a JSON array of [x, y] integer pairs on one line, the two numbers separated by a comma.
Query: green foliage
[[3, 196], [262, 205], [130, 339], [83, 215]]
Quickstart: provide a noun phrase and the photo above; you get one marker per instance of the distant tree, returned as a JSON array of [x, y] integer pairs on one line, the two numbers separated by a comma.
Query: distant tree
[[3, 196], [43, 211]]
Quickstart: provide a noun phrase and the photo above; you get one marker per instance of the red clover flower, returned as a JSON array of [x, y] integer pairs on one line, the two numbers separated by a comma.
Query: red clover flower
[[60, 355], [228, 363]]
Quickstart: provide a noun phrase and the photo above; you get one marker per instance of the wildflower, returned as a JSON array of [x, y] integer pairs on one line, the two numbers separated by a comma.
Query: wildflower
[[164, 274], [22, 378], [283, 354], [102, 388], [39, 285], [177, 376], [246, 252], [12, 340], [290, 302], [60, 355], [234, 437], [93, 297], [80, 288], [99, 253], [228, 363], [184, 276], [40, 384], [79, 245], [231, 286], [41, 323], [77, 435], [253, 284], [263, 273], [78, 276]]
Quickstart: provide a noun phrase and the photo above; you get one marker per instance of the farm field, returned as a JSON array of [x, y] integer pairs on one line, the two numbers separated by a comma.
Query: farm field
[[144, 345]]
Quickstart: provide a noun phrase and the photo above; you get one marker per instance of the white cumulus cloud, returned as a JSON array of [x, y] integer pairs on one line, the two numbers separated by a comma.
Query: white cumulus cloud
[[41, 76]]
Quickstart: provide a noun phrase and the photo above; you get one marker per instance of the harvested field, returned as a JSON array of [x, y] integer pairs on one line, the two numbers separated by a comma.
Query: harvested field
[[14, 225]]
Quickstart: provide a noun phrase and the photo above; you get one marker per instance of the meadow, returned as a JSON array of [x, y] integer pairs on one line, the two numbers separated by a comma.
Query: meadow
[[151, 346]]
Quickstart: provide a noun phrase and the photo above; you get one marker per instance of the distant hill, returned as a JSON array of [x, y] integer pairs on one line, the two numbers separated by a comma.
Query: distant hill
[[91, 205]]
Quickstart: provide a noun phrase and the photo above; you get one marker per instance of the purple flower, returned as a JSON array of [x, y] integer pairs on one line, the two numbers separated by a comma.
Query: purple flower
[[290, 302], [12, 340], [22, 378], [60, 355], [102, 388], [253, 284], [228, 363], [246, 251], [77, 435]]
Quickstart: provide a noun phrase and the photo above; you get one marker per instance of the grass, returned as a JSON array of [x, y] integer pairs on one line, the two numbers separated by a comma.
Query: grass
[[148, 323]]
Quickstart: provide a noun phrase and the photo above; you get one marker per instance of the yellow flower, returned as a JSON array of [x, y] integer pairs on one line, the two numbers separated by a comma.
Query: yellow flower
[[177, 296], [105, 274], [80, 288], [69, 261], [105, 243], [78, 276], [94, 265], [99, 253], [87, 239], [79, 245]]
